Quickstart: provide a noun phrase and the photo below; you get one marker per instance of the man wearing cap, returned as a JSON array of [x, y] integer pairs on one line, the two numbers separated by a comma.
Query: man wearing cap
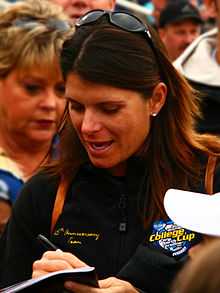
[[179, 25], [200, 64]]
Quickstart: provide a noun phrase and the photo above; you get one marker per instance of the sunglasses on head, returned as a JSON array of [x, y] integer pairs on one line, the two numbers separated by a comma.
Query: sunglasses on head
[[51, 23], [123, 20], [29, 23]]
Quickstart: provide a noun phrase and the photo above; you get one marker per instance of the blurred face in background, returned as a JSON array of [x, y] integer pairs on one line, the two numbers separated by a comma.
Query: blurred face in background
[[217, 7], [194, 2], [158, 6], [76, 8], [178, 36], [212, 8], [30, 103]]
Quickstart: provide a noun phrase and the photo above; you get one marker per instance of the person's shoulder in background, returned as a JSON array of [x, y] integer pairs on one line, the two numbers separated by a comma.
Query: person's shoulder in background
[[11, 179]]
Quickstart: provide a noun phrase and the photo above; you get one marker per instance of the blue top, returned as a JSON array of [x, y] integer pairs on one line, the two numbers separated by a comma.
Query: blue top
[[11, 178], [10, 186]]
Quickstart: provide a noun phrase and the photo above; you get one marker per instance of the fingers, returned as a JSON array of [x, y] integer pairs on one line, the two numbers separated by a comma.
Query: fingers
[[109, 285], [106, 283], [43, 266], [79, 288], [71, 259], [115, 285], [53, 261]]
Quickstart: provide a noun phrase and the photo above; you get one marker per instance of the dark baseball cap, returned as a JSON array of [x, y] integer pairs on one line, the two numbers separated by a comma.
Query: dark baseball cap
[[178, 11]]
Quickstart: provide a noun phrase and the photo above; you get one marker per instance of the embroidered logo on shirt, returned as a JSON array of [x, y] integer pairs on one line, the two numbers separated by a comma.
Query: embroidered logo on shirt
[[75, 238], [171, 237]]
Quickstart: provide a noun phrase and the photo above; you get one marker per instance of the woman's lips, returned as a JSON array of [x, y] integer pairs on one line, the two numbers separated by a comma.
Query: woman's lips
[[98, 147], [45, 123]]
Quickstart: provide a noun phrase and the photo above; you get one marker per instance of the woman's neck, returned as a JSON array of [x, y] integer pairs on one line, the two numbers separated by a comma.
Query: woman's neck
[[119, 170], [26, 154]]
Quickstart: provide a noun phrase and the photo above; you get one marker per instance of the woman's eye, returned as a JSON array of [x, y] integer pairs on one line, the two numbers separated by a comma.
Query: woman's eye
[[32, 88], [76, 107], [110, 109], [60, 89]]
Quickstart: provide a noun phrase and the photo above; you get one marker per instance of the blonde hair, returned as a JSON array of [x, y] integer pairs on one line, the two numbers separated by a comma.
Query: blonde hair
[[4, 4], [31, 34]]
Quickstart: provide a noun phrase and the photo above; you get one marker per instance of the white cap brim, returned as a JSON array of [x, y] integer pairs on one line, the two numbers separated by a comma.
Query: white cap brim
[[194, 211]]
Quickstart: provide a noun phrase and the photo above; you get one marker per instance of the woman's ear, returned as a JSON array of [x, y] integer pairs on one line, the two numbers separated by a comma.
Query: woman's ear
[[158, 98]]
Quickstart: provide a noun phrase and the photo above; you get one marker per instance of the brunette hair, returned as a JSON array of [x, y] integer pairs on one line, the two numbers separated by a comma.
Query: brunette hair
[[105, 54]]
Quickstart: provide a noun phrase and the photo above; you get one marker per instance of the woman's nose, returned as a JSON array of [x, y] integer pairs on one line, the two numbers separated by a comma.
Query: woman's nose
[[49, 101], [90, 122]]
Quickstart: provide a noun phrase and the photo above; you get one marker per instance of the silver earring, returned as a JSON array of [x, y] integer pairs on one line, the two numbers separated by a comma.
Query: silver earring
[[154, 114]]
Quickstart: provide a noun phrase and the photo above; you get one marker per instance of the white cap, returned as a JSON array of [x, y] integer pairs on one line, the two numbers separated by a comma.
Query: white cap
[[194, 211]]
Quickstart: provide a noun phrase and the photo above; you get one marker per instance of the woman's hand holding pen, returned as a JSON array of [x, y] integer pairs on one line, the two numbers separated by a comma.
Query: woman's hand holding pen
[[56, 260], [53, 261]]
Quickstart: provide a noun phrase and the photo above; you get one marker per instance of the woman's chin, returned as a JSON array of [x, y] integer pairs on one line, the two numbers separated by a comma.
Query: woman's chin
[[116, 169]]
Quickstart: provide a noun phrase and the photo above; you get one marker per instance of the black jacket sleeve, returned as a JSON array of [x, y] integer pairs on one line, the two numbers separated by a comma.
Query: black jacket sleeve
[[151, 270]]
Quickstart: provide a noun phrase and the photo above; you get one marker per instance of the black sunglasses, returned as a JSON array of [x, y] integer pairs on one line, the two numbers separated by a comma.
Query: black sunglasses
[[123, 20], [127, 22]]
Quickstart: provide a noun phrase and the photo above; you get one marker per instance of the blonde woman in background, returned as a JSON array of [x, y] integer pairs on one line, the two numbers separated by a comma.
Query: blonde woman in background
[[31, 84]]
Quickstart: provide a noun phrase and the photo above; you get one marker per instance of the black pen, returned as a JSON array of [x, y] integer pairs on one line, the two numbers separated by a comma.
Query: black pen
[[48, 245]]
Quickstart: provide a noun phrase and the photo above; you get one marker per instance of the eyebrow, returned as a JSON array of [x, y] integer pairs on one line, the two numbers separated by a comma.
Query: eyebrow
[[34, 76], [98, 103], [112, 102]]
